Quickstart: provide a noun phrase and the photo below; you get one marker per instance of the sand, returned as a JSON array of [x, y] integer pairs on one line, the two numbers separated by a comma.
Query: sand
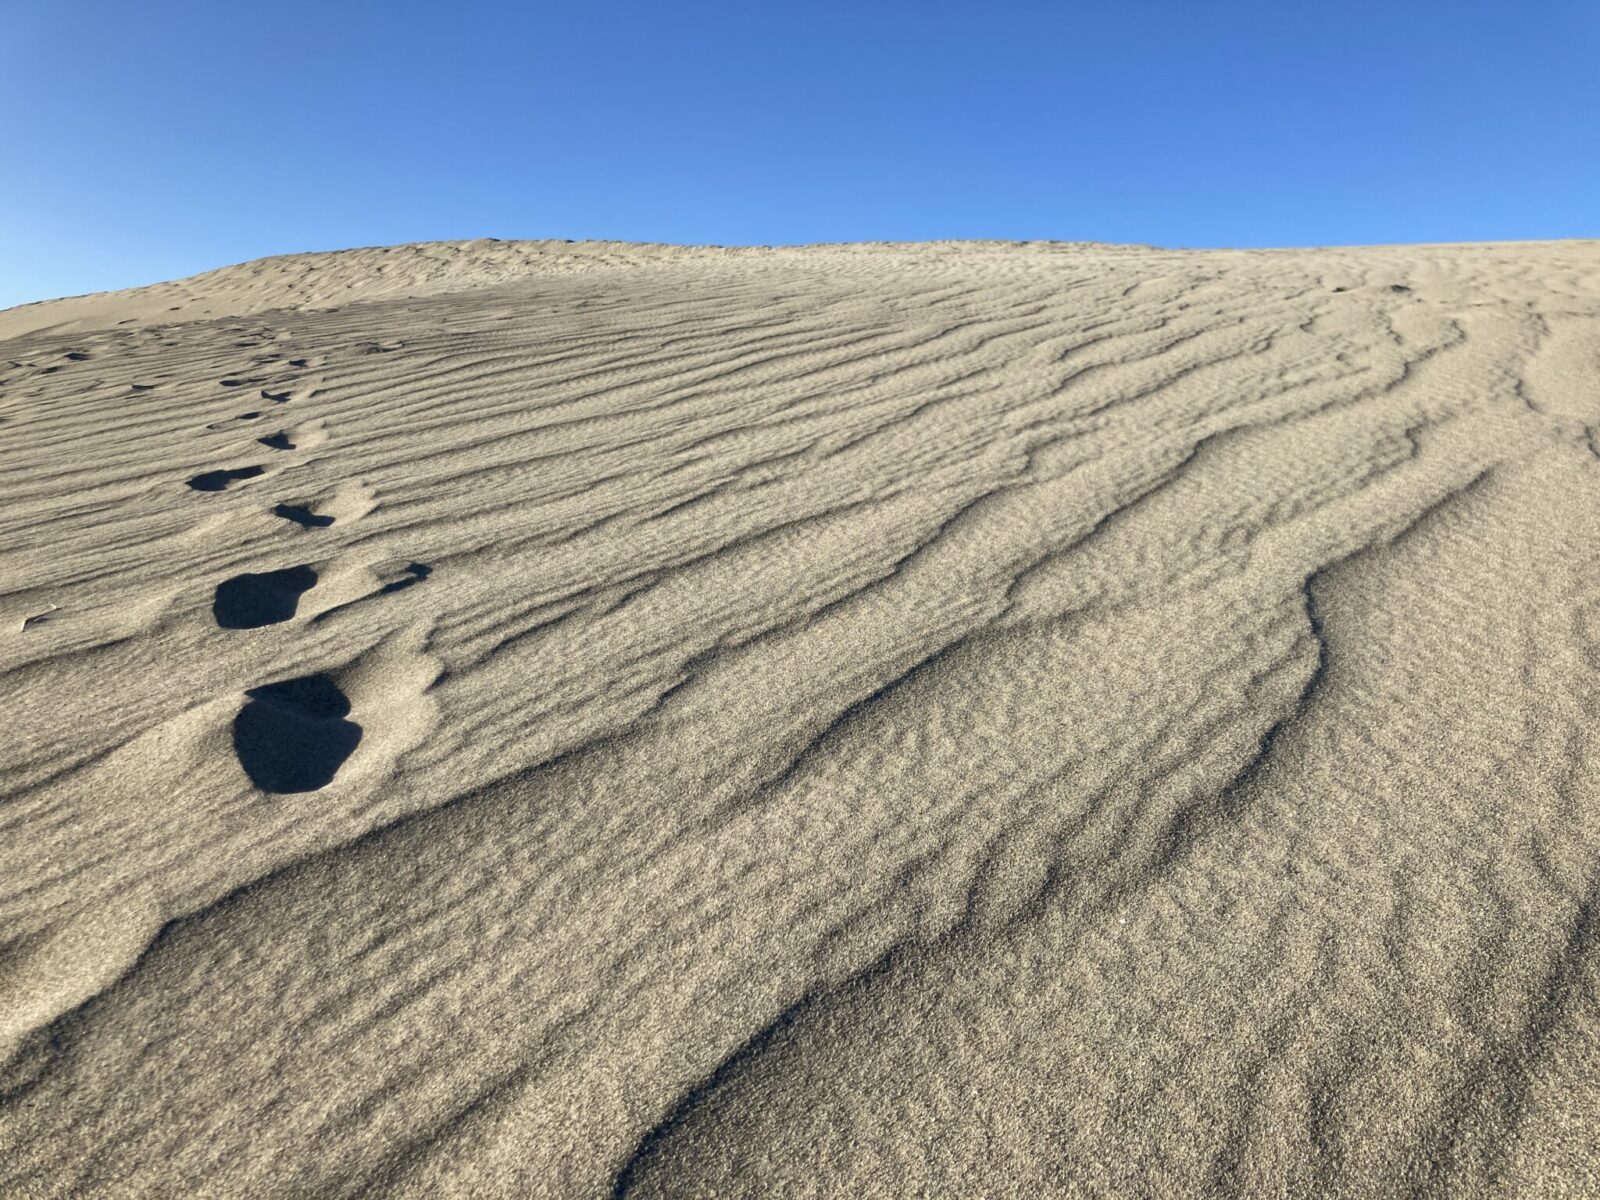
[[1007, 720]]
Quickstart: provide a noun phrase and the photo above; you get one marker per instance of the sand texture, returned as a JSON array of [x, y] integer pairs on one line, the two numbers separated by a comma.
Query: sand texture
[[976, 720]]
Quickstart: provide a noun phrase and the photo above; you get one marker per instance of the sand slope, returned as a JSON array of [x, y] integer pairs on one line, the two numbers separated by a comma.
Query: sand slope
[[502, 719]]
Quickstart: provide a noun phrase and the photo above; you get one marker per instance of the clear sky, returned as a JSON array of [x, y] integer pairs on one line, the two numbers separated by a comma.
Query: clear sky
[[142, 141]]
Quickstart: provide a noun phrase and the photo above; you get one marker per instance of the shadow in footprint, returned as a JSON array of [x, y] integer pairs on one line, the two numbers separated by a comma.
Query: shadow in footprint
[[275, 397], [302, 516], [415, 573], [276, 441], [293, 736], [250, 601], [215, 481]]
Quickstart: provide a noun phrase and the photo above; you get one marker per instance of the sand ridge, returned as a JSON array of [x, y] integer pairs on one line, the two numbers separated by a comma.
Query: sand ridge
[[963, 719]]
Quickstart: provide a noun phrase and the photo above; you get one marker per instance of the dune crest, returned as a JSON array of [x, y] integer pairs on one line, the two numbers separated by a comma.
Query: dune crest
[[581, 719]]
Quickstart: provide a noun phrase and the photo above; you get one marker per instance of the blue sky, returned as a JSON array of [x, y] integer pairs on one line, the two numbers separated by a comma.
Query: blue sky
[[145, 141]]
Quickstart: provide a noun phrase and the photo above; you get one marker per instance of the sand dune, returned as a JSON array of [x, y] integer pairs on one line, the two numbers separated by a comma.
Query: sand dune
[[536, 719]]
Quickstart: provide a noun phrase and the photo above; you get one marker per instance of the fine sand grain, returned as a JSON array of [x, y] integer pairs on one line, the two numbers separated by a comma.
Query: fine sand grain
[[974, 720]]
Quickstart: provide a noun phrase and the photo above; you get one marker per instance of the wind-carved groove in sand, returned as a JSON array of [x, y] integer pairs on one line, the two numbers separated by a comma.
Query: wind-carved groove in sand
[[216, 481], [659, 1136], [293, 736], [250, 601]]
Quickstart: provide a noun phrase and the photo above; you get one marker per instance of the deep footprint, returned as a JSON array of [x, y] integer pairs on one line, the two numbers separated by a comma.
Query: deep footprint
[[302, 516], [276, 441], [216, 481], [250, 601], [292, 736]]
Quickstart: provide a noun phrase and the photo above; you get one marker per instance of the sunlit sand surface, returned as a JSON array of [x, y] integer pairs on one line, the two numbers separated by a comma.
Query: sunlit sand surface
[[543, 719]]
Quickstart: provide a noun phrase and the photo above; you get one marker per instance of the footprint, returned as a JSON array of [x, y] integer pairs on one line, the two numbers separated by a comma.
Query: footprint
[[276, 397], [349, 502], [309, 435], [302, 516], [412, 573], [249, 416], [301, 437], [351, 586], [250, 601], [38, 618], [216, 481], [293, 736]]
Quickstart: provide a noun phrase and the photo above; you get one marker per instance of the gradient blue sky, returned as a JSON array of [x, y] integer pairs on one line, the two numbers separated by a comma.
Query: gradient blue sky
[[145, 141]]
